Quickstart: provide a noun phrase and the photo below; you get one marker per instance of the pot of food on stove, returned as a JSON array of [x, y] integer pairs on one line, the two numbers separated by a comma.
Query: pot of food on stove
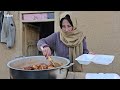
[[38, 67]]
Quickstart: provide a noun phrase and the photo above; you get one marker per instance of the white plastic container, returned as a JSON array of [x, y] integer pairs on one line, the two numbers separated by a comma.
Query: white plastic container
[[102, 76], [97, 58]]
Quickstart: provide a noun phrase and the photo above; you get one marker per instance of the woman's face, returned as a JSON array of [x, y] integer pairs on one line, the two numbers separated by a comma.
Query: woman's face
[[66, 26]]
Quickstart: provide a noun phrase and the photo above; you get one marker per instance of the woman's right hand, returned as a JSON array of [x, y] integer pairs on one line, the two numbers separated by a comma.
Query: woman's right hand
[[46, 51]]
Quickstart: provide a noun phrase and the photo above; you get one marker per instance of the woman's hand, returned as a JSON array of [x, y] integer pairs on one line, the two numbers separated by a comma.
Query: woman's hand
[[92, 53], [46, 51]]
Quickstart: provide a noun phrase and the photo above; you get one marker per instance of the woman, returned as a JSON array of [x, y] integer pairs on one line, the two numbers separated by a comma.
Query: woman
[[69, 42]]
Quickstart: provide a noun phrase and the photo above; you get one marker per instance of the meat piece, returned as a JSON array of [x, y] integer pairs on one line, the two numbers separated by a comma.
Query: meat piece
[[28, 68], [44, 66], [35, 66]]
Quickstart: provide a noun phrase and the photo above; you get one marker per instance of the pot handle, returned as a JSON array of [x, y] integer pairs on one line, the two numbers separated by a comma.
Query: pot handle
[[67, 66]]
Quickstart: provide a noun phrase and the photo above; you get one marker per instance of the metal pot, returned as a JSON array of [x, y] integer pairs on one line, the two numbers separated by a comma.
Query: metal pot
[[16, 65]]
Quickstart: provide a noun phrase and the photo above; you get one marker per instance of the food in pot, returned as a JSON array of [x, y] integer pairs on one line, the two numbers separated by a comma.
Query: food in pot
[[41, 66]]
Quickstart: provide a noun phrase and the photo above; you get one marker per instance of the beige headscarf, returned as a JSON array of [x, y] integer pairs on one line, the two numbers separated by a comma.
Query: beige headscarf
[[73, 40]]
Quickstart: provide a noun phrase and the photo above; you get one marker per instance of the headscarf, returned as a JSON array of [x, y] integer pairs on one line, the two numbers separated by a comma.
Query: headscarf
[[73, 40]]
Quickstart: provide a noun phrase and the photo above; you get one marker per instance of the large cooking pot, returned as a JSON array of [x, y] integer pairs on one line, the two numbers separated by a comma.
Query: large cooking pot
[[16, 65]]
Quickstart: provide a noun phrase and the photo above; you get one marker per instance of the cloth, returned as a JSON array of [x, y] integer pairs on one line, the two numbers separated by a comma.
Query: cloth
[[8, 30]]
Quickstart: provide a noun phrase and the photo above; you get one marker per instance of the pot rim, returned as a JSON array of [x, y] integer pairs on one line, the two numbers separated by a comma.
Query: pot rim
[[17, 59]]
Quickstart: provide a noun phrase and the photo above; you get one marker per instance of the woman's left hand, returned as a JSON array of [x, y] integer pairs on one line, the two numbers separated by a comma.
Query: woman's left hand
[[92, 53]]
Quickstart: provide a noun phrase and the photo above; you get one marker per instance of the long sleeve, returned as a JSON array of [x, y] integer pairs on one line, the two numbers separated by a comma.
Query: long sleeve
[[48, 41], [85, 49]]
